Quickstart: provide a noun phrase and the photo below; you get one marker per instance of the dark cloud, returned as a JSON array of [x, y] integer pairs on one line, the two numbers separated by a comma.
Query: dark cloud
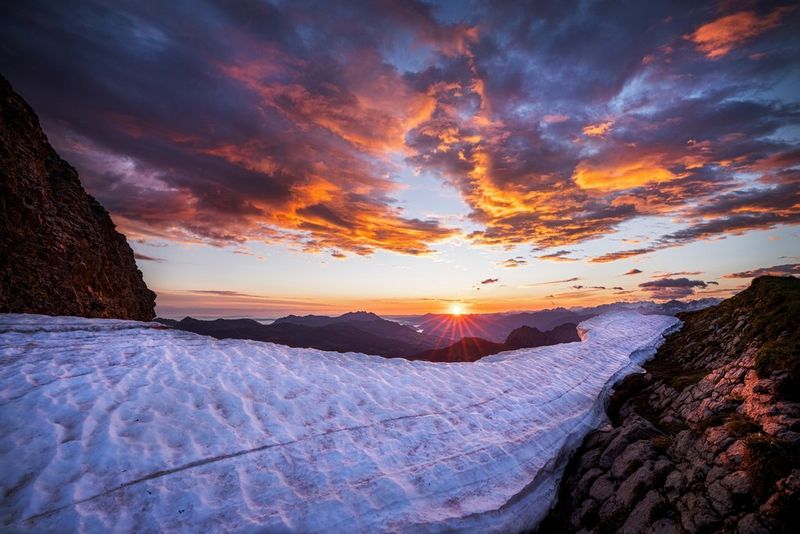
[[228, 122], [580, 287], [632, 271], [565, 281], [792, 269], [672, 288], [145, 257], [490, 281]]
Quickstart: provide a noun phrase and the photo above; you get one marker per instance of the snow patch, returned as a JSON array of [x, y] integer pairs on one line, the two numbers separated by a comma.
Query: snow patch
[[119, 425]]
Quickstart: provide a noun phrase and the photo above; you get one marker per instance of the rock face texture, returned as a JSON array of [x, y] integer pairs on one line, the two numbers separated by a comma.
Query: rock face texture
[[708, 439], [60, 253]]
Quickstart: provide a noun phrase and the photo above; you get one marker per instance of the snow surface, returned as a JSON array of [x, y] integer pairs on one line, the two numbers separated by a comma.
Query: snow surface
[[125, 426]]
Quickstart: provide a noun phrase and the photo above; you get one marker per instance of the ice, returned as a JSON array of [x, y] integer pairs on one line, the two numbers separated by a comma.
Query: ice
[[125, 426]]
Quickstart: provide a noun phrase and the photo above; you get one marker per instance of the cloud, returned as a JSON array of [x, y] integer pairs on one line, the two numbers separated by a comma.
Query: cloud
[[625, 174], [297, 125], [564, 281], [632, 271], [672, 288], [145, 257], [490, 281], [597, 130], [792, 269], [559, 255], [717, 38], [338, 255], [678, 273], [555, 119], [513, 262], [580, 287], [621, 254]]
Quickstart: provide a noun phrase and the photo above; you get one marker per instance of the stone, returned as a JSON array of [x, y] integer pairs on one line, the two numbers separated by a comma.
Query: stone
[[589, 477], [720, 498], [737, 483], [602, 489], [675, 482], [632, 457], [665, 526], [634, 429], [60, 253], [639, 518], [750, 524], [635, 485], [697, 514]]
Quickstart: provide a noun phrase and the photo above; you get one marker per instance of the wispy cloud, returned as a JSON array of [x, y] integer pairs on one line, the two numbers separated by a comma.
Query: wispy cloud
[[776, 270], [513, 262]]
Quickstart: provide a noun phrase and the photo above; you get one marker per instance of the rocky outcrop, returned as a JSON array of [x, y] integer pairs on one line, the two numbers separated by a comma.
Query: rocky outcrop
[[60, 253], [708, 439]]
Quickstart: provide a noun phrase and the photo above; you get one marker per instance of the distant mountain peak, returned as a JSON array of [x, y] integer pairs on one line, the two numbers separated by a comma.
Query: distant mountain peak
[[360, 316]]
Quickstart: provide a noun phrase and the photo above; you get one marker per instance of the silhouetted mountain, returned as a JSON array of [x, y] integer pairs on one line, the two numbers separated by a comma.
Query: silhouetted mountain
[[324, 320], [526, 336], [357, 333], [494, 327], [470, 349]]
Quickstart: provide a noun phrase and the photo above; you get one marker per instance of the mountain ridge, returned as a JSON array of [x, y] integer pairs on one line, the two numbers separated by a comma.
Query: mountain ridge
[[708, 438], [60, 253]]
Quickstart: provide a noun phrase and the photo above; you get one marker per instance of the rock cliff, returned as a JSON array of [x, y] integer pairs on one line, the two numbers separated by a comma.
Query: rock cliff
[[60, 253], [708, 439]]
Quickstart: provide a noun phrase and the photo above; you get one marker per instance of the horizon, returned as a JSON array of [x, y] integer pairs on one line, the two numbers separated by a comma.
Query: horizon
[[266, 159], [447, 312]]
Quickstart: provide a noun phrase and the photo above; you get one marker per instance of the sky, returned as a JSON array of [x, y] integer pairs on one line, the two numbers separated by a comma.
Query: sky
[[398, 156]]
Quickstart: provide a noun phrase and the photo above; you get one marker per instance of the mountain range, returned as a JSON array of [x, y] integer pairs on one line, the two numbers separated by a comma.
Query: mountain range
[[470, 349], [431, 337], [496, 327], [357, 333]]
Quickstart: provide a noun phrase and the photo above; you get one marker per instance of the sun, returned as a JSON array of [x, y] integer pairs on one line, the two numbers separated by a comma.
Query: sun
[[456, 309]]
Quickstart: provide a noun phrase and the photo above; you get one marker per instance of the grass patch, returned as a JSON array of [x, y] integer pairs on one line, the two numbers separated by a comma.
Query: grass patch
[[767, 460], [662, 443], [674, 373], [682, 381], [777, 324], [740, 425]]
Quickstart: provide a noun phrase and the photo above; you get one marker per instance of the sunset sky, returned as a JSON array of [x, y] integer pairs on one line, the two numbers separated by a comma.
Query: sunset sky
[[266, 158]]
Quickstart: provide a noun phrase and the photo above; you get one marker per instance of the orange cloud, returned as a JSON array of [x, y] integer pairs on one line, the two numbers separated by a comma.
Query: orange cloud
[[717, 38], [599, 129], [614, 176]]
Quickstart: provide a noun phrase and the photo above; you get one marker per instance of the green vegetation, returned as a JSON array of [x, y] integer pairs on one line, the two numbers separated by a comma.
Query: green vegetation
[[777, 325], [675, 373]]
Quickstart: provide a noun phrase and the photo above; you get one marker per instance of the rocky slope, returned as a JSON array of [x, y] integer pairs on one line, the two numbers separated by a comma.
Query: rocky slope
[[60, 253], [708, 439]]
